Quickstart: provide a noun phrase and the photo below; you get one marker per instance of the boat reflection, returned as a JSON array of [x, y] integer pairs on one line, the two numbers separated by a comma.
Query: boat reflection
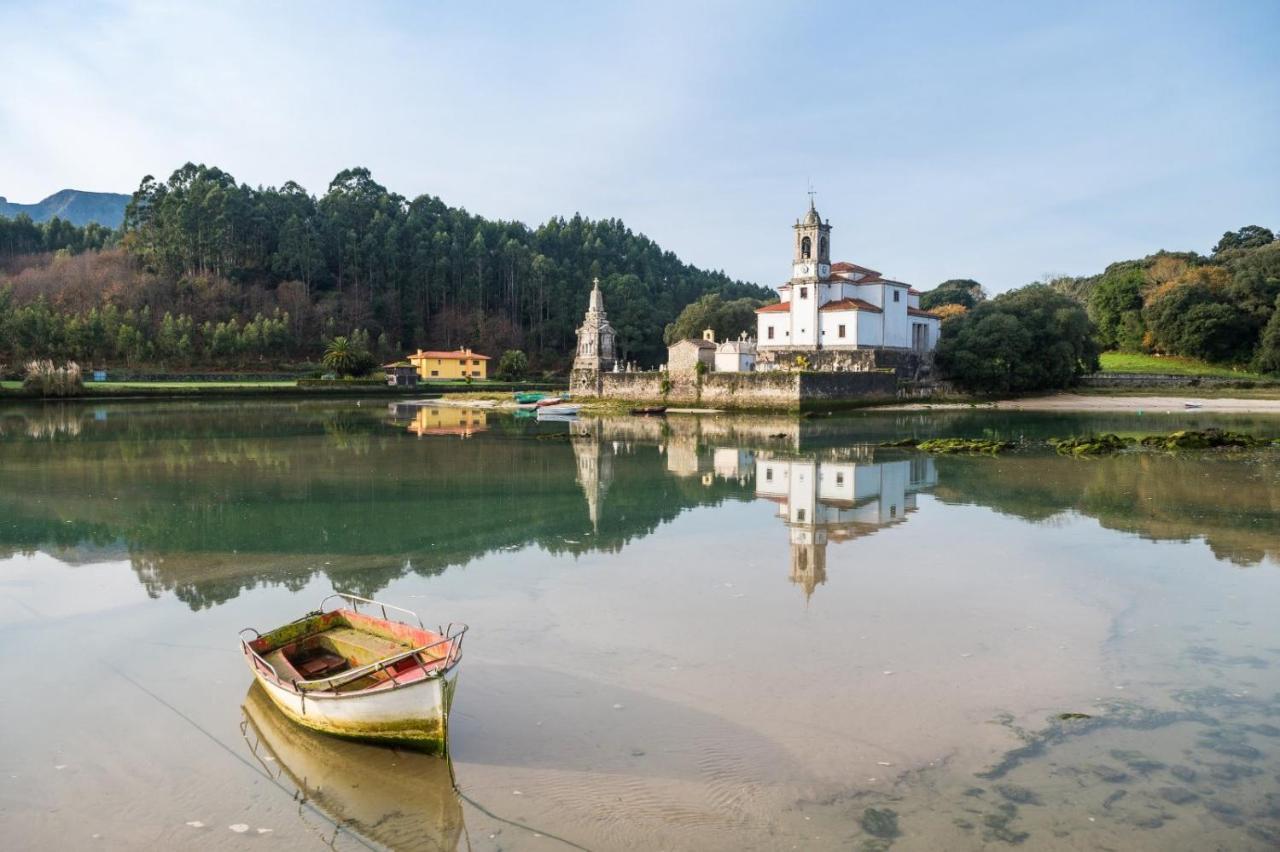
[[821, 501], [396, 799]]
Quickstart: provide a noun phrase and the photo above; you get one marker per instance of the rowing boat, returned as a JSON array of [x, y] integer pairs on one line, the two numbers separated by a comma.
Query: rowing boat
[[352, 674]]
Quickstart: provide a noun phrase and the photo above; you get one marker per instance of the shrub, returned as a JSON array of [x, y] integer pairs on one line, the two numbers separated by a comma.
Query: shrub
[[512, 366], [45, 378], [1029, 339]]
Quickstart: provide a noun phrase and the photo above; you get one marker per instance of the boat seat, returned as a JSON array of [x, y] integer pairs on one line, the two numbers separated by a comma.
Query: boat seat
[[360, 647]]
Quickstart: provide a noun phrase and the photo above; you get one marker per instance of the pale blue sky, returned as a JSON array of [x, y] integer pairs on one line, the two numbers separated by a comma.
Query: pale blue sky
[[999, 141]]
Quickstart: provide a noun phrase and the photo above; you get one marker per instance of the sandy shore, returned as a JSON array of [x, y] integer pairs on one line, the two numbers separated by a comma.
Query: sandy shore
[[1082, 402]]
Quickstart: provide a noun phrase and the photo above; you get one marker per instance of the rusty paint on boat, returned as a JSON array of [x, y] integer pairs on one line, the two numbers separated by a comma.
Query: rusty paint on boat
[[353, 675]]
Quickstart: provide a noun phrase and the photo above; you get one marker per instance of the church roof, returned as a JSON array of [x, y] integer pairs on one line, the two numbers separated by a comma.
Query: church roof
[[851, 305], [917, 312], [775, 308], [694, 341], [845, 266]]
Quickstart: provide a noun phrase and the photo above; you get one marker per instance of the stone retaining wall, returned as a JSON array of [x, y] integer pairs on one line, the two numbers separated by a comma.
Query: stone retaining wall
[[1165, 380], [788, 391]]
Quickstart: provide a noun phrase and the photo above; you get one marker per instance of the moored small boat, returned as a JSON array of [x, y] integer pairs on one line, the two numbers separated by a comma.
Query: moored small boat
[[549, 400], [651, 411], [558, 411], [355, 675], [529, 396]]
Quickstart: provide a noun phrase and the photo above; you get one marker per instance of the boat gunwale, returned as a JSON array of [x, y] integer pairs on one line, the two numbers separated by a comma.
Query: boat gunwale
[[328, 687]]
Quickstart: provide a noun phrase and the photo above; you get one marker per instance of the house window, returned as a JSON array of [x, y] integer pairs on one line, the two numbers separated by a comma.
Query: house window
[[475, 363], [768, 474], [840, 331], [800, 515], [804, 292], [435, 372], [897, 295], [770, 334], [839, 479]]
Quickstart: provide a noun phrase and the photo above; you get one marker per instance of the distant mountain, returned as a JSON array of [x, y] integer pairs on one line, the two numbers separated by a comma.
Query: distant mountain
[[74, 206]]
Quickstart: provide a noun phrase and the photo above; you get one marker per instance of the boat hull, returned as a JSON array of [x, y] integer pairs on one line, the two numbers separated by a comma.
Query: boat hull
[[414, 715]]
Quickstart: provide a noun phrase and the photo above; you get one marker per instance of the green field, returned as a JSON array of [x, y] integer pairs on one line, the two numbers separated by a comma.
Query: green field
[[1124, 362]]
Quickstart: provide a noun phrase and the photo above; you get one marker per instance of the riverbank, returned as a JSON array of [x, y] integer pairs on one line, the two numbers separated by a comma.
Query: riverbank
[[97, 391], [1260, 403]]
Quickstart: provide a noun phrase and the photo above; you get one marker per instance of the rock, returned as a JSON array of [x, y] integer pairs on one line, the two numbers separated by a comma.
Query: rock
[[951, 446], [1018, 795], [1183, 773], [1092, 445], [880, 822], [1177, 795], [1110, 774]]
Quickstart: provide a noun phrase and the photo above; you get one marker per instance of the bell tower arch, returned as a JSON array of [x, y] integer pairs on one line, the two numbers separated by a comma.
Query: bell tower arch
[[812, 260]]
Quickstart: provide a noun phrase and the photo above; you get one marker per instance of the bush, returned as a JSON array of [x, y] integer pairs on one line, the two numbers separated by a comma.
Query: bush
[[1031, 339], [512, 366], [48, 380]]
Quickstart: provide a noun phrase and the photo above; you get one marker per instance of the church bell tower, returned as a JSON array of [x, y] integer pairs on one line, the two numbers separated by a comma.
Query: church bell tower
[[813, 247]]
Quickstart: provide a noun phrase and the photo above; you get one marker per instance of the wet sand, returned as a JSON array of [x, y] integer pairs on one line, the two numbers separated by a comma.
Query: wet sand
[[1067, 402]]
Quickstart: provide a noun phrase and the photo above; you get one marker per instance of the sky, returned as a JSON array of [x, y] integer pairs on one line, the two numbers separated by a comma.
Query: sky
[[1002, 141]]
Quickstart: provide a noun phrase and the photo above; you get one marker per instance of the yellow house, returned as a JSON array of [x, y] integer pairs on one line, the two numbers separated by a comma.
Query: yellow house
[[458, 364]]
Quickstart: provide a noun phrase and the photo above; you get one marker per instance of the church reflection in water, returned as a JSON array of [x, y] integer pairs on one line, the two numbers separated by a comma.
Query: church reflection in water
[[821, 502], [828, 496]]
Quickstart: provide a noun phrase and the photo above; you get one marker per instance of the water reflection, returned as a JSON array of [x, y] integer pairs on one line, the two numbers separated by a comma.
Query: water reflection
[[401, 800], [426, 420], [207, 500], [838, 500]]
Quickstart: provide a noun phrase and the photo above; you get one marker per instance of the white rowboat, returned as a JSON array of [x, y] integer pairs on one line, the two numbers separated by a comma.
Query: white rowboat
[[354, 675]]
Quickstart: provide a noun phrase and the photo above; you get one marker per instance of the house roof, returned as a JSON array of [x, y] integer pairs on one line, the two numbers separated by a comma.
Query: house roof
[[694, 341], [775, 308], [455, 354], [914, 292], [851, 305], [917, 312]]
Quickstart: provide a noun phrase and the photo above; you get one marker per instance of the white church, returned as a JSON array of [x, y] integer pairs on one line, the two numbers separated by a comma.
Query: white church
[[836, 306]]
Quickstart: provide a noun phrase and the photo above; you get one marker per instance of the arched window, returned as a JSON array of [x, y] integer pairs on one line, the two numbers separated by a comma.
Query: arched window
[[806, 248], [822, 247]]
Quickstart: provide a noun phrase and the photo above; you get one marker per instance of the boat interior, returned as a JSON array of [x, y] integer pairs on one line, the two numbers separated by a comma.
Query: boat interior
[[324, 646]]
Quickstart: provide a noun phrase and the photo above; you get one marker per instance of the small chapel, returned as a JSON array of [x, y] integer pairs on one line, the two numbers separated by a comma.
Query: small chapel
[[841, 305]]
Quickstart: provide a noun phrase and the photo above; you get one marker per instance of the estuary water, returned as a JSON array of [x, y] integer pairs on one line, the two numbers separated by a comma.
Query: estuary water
[[691, 633]]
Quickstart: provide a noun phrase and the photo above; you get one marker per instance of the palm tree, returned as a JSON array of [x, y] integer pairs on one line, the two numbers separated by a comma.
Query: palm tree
[[341, 357]]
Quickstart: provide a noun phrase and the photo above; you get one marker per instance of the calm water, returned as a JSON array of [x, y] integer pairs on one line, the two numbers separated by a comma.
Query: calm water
[[725, 633]]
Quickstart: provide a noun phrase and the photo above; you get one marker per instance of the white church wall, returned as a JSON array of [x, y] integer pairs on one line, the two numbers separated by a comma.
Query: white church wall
[[897, 328], [870, 329], [831, 322]]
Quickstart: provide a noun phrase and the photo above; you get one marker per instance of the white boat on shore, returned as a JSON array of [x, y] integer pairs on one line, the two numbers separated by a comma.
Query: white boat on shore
[[558, 412], [354, 675]]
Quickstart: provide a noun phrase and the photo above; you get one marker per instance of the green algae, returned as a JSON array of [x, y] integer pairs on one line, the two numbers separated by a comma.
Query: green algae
[[1202, 439], [952, 446], [1090, 445]]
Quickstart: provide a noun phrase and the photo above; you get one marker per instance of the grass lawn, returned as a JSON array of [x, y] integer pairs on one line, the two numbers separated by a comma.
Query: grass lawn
[[117, 385], [1125, 362]]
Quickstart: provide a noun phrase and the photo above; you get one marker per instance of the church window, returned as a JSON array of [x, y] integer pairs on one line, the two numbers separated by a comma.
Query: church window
[[822, 247], [800, 515], [840, 331], [806, 247], [768, 474], [770, 332], [804, 292], [839, 479], [897, 295]]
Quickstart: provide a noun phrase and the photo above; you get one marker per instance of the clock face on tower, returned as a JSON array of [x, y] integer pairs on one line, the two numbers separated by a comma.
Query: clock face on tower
[[803, 269]]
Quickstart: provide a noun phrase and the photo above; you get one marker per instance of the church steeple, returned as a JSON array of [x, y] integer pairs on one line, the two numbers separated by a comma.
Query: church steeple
[[813, 246]]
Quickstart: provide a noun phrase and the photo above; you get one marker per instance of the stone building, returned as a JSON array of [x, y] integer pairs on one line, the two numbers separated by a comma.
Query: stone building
[[684, 357], [840, 306]]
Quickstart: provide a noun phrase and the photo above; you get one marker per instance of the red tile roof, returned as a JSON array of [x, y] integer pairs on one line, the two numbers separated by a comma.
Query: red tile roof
[[850, 305], [776, 307], [914, 292], [845, 266], [916, 312], [455, 354]]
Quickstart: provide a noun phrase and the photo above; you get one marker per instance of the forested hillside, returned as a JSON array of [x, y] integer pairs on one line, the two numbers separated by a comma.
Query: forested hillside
[[1223, 308], [208, 271]]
